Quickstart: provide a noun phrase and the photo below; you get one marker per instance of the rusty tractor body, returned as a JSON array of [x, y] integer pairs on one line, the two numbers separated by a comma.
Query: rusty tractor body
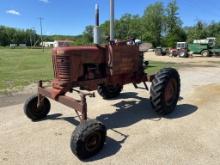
[[91, 68], [105, 68]]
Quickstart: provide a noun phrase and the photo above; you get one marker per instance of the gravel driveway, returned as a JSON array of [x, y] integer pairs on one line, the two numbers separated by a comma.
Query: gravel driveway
[[136, 135]]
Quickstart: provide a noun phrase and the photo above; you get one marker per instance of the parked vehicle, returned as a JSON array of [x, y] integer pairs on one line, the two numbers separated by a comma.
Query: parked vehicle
[[180, 50], [160, 51], [206, 47]]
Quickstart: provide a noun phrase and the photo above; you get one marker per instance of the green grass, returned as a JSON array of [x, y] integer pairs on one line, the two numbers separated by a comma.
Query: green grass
[[155, 66], [20, 67]]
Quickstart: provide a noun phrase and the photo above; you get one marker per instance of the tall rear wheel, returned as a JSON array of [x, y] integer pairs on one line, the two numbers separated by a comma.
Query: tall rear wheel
[[165, 91]]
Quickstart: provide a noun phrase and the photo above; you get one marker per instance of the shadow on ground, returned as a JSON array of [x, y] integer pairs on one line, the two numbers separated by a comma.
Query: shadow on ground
[[127, 112]]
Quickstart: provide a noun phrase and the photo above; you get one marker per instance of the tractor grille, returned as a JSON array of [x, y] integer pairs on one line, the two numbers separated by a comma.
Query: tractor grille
[[62, 69]]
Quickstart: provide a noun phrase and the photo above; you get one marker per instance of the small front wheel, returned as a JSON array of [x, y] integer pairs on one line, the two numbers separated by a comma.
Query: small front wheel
[[165, 91], [88, 139], [35, 112]]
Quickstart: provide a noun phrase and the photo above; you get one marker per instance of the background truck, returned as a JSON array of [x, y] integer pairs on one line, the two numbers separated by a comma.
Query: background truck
[[206, 47]]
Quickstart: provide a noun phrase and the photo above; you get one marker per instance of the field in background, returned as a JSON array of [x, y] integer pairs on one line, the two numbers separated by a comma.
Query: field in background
[[21, 67], [155, 66]]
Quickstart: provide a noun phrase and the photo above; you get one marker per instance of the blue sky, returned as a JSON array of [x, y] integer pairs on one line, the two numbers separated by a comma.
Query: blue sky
[[71, 16]]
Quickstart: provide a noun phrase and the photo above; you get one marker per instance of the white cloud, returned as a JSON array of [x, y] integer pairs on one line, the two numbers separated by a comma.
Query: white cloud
[[13, 12], [44, 1]]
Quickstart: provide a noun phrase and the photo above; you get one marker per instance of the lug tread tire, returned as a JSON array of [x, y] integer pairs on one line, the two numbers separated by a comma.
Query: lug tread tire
[[158, 89]]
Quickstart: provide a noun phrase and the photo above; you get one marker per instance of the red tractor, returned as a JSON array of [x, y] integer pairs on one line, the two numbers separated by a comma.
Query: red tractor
[[105, 68]]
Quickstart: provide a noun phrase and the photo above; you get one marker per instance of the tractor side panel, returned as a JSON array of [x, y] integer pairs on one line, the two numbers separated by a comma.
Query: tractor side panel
[[123, 59]]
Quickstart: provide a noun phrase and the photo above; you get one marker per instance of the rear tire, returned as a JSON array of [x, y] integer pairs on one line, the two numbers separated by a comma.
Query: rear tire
[[205, 53], [88, 139], [165, 91], [109, 91], [183, 54], [35, 112]]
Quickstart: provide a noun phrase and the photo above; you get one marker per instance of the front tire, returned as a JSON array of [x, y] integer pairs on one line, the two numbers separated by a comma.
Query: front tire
[[165, 91], [109, 91], [35, 112], [88, 139]]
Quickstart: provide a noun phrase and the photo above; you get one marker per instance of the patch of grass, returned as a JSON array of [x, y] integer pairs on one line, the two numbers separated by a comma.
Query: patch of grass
[[155, 66], [20, 67]]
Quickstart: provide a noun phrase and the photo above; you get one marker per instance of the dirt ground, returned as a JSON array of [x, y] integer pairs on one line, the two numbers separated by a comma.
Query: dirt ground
[[136, 135]]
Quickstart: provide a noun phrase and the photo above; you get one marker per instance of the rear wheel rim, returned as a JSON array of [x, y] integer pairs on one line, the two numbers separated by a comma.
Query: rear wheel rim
[[170, 92]]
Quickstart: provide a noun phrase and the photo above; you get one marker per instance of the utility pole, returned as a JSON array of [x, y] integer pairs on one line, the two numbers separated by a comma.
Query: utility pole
[[41, 32], [31, 39], [34, 35]]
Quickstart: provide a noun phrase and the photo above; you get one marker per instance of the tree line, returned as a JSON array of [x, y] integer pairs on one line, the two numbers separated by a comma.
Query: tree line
[[160, 25], [29, 37], [10, 35]]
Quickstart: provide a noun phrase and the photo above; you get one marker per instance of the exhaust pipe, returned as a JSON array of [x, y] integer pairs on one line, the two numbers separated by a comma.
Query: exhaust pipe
[[112, 20], [96, 30]]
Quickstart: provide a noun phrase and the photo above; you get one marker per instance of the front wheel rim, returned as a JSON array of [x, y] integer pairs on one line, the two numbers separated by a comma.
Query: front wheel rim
[[93, 141]]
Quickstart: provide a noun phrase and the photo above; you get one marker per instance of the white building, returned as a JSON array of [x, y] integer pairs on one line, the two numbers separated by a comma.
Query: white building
[[54, 44], [64, 43], [47, 44]]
